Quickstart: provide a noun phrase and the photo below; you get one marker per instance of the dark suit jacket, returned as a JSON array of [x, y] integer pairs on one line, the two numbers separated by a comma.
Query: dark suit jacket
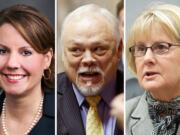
[[46, 125], [69, 121]]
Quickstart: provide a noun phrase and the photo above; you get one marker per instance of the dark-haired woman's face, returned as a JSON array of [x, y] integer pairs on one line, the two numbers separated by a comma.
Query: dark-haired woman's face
[[21, 67]]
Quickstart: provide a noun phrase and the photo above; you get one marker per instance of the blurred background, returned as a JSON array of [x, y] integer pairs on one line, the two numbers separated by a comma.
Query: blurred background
[[46, 7]]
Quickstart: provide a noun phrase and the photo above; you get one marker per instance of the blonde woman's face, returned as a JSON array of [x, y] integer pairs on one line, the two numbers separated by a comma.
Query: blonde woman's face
[[21, 67], [156, 73]]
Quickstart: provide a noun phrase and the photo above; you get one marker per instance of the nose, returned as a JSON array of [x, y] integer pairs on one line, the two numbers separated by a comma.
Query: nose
[[149, 57], [88, 59], [13, 61]]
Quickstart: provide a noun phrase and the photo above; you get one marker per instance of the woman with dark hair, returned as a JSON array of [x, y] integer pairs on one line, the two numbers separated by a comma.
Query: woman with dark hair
[[26, 72]]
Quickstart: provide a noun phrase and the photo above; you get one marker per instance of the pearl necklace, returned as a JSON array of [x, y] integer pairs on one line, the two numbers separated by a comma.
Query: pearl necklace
[[34, 122]]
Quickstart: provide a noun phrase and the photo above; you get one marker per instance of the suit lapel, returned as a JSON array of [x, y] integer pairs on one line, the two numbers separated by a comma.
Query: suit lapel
[[70, 112], [140, 118]]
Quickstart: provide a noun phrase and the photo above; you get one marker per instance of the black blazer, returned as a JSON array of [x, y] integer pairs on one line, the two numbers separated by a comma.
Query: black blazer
[[46, 124], [69, 121]]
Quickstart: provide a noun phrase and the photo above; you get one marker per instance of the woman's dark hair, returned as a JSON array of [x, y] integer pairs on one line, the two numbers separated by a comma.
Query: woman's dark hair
[[36, 30]]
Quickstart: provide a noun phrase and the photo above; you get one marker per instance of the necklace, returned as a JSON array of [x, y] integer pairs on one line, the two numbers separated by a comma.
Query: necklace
[[34, 122]]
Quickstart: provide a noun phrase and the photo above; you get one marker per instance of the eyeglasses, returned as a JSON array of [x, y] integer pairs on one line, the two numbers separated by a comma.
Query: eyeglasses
[[157, 48]]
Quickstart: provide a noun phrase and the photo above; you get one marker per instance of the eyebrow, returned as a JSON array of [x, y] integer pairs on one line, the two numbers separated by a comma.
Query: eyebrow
[[23, 47], [26, 47], [3, 46], [79, 43]]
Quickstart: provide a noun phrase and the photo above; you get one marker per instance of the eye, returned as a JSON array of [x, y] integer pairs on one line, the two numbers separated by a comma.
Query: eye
[[140, 48], [76, 51], [3, 51], [26, 52], [100, 50], [160, 47]]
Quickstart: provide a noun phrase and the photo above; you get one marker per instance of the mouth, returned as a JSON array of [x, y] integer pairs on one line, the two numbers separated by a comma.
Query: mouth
[[93, 75], [150, 74], [89, 75], [14, 77]]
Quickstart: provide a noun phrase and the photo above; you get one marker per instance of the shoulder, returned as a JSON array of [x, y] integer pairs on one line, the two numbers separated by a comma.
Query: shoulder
[[131, 105], [133, 102], [63, 83], [49, 104], [46, 124], [2, 96], [61, 77]]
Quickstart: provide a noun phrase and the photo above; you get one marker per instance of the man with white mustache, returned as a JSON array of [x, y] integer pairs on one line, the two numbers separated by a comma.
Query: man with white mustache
[[90, 54]]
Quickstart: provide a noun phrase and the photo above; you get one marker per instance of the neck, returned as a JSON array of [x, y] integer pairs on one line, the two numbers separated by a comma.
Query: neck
[[17, 107], [164, 96], [166, 93], [20, 113]]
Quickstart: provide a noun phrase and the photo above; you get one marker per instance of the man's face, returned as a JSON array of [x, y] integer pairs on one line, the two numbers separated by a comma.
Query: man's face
[[90, 54]]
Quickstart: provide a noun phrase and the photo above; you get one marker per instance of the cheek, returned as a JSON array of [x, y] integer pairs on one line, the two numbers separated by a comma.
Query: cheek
[[104, 61], [71, 62], [171, 68], [139, 68], [109, 63], [71, 66], [34, 65], [3, 61]]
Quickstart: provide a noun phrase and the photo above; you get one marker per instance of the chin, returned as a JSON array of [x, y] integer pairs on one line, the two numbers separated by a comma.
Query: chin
[[151, 87], [14, 91], [90, 90]]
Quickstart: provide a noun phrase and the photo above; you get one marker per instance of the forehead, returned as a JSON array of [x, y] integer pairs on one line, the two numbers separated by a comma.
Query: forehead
[[152, 33], [10, 36], [88, 29]]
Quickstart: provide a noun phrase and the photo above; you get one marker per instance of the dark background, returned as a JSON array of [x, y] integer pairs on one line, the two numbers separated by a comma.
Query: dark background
[[46, 7]]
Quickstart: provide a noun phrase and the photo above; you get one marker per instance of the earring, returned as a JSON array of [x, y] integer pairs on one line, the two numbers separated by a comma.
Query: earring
[[47, 74]]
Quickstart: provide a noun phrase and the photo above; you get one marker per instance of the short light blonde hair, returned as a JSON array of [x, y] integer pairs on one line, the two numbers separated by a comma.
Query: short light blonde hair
[[165, 15]]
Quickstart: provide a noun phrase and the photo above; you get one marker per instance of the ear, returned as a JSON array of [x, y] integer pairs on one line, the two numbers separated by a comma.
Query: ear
[[48, 57], [120, 49]]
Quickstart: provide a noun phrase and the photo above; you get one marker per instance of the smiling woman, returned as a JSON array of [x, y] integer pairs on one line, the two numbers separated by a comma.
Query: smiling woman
[[26, 72]]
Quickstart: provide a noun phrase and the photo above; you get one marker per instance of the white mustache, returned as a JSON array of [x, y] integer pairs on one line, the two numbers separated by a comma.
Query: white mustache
[[90, 70]]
